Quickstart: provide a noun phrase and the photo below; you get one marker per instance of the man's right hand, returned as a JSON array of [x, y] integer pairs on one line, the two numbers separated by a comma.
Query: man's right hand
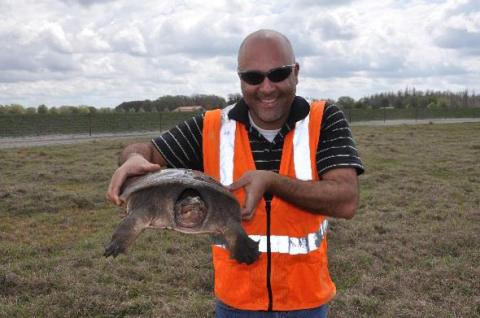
[[135, 165]]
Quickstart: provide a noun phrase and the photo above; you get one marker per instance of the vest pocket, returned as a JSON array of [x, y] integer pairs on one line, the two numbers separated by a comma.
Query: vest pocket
[[301, 280], [239, 285]]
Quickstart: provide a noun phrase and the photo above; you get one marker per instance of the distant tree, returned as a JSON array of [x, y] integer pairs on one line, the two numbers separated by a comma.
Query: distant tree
[[413, 102], [397, 103], [170, 102], [409, 97], [42, 109], [384, 102], [31, 110], [147, 106], [64, 110], [361, 104], [82, 110], [15, 109], [208, 101], [345, 102], [53, 110], [68, 109], [126, 106], [442, 102], [104, 110], [233, 98]]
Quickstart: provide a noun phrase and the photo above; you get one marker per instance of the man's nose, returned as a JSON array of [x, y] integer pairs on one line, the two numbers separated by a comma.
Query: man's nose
[[266, 86]]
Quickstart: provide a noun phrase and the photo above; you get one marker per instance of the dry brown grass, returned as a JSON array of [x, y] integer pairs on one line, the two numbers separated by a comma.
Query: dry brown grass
[[412, 250]]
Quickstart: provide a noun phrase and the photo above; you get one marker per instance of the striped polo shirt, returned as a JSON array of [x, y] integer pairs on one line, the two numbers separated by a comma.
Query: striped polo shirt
[[181, 146]]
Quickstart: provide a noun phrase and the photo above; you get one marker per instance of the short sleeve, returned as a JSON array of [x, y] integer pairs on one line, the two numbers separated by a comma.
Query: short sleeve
[[181, 146], [336, 147]]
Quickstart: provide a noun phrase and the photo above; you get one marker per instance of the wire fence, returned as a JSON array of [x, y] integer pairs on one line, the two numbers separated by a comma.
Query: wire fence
[[386, 114], [19, 125], [13, 125]]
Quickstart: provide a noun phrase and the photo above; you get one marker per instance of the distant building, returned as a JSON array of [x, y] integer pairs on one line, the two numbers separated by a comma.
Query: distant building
[[189, 109]]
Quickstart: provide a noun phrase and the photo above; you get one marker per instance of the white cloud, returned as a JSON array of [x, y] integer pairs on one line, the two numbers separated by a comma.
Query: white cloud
[[105, 52], [89, 40], [460, 28]]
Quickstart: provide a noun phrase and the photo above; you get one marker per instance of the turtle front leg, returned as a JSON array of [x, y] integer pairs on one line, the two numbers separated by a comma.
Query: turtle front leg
[[126, 233]]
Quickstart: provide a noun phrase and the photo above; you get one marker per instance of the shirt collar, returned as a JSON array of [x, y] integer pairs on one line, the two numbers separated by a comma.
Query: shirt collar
[[299, 110]]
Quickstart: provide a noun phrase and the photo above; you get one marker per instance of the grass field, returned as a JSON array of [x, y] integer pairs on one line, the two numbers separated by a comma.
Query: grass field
[[412, 250]]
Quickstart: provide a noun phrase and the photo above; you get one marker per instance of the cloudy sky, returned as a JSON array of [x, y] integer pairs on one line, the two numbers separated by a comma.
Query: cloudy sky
[[104, 52]]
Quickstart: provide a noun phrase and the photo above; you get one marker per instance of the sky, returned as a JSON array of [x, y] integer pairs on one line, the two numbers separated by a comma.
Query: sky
[[104, 52]]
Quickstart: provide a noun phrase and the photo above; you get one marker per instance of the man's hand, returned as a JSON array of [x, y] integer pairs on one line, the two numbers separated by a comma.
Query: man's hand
[[336, 194], [255, 183], [135, 165]]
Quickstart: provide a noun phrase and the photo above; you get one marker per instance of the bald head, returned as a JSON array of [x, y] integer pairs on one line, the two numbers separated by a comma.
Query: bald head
[[268, 56], [265, 38]]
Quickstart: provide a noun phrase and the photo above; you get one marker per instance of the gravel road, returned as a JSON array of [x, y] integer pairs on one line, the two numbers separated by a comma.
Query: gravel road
[[45, 140]]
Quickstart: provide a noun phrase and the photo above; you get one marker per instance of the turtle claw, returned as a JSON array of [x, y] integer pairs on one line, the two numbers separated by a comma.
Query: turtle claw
[[113, 249], [245, 250]]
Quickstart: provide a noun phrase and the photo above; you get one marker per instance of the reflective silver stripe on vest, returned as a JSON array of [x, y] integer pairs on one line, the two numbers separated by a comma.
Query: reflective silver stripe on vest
[[291, 245], [301, 150], [227, 146]]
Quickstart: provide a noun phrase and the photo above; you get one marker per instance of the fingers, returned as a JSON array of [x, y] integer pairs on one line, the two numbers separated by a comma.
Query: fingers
[[238, 184], [135, 166], [113, 192], [247, 214], [251, 202], [252, 183], [151, 167]]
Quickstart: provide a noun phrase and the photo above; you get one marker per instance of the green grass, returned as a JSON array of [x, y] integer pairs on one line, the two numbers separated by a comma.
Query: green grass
[[412, 250]]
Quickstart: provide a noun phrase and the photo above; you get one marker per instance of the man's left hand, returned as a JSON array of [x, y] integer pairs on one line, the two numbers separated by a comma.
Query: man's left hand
[[255, 183]]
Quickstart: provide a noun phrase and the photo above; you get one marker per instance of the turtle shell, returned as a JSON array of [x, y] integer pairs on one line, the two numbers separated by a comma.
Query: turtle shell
[[183, 200], [174, 177]]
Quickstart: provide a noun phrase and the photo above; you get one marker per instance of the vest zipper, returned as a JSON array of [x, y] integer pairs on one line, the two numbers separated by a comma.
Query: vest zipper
[[269, 257]]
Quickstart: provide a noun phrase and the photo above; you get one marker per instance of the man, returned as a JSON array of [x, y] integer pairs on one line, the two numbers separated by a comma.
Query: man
[[290, 165]]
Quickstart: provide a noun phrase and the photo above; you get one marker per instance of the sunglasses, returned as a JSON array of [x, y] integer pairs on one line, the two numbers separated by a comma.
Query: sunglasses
[[275, 75]]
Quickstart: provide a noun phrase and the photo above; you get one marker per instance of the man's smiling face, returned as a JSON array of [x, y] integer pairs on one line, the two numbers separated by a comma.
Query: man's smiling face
[[269, 102]]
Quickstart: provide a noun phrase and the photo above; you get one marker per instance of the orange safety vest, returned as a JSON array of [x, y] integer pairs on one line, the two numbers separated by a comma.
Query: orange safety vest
[[292, 270]]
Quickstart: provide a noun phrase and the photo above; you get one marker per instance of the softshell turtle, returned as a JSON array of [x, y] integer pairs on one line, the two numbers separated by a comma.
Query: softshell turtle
[[187, 201]]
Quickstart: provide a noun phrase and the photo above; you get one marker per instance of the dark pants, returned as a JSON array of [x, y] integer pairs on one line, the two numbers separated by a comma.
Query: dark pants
[[224, 311]]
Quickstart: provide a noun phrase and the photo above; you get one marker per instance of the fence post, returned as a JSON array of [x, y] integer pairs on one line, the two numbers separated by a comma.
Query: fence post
[[90, 124], [36, 125], [160, 121]]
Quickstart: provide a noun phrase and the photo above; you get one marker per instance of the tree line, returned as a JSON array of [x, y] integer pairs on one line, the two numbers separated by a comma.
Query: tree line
[[169, 103], [412, 98], [408, 98]]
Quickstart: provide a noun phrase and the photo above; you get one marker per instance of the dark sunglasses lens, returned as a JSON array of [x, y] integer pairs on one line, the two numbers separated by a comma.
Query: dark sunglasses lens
[[279, 74], [252, 78]]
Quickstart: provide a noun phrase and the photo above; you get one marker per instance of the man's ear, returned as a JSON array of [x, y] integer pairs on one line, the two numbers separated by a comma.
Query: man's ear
[[296, 70]]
